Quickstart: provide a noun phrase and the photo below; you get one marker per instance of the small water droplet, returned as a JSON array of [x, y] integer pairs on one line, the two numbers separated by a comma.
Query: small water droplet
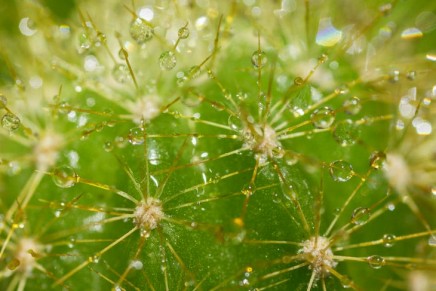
[[167, 60], [346, 282], [136, 264], [101, 38], [108, 146], [3, 101], [183, 33], [144, 233], [323, 117], [136, 136], [298, 81], [352, 106], [322, 58], [346, 132], [94, 259], [258, 59], [432, 241], [10, 122], [394, 76], [121, 73], [194, 72], [389, 240], [65, 177], [341, 171], [377, 159], [14, 264], [376, 262], [290, 158], [71, 242], [235, 123], [360, 216], [84, 41], [140, 30]]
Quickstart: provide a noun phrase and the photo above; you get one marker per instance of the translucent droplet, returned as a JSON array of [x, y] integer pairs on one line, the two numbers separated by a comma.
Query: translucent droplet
[[122, 54], [432, 241], [376, 262], [136, 136], [10, 122], [65, 177], [377, 159], [341, 171], [360, 216], [183, 33], [84, 41], [298, 81], [167, 60], [346, 282], [346, 132], [191, 100], [258, 59], [14, 264], [235, 122], [389, 240], [323, 117], [121, 73], [352, 106], [327, 34], [3, 101], [108, 146], [411, 75], [101, 38], [323, 58], [411, 33], [94, 259], [140, 30], [194, 72]]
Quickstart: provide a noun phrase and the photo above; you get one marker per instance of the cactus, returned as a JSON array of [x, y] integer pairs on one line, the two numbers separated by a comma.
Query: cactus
[[217, 145]]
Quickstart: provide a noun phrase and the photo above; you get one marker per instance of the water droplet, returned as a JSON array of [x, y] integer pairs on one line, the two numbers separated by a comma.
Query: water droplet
[[411, 75], [140, 30], [136, 136], [432, 241], [258, 59], [290, 158], [3, 101], [377, 159], [341, 171], [235, 123], [346, 282], [389, 240], [411, 33], [183, 33], [121, 73], [65, 177], [191, 100], [108, 146], [298, 81], [136, 264], [352, 106], [72, 242], [346, 132], [376, 262], [144, 233], [14, 264], [94, 259], [84, 41], [194, 72], [10, 122], [360, 216], [323, 117], [101, 38], [167, 60], [323, 58], [327, 34]]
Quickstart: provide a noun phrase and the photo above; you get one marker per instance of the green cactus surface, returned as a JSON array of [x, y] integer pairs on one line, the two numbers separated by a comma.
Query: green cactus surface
[[217, 145]]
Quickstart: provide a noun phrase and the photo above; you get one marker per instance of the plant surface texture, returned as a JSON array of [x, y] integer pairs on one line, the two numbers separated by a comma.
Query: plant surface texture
[[217, 145]]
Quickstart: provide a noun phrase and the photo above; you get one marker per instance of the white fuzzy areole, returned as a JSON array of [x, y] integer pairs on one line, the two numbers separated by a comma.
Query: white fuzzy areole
[[263, 141], [397, 172], [47, 149], [25, 247], [145, 109], [148, 214], [317, 252]]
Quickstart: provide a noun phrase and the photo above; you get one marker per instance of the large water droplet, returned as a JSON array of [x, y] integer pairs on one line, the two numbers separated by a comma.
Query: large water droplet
[[389, 240], [258, 59], [377, 159], [341, 171], [10, 122], [376, 262], [352, 106], [183, 33], [167, 60], [323, 117], [346, 132], [121, 73], [136, 136], [360, 216], [65, 177], [235, 123], [140, 30]]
